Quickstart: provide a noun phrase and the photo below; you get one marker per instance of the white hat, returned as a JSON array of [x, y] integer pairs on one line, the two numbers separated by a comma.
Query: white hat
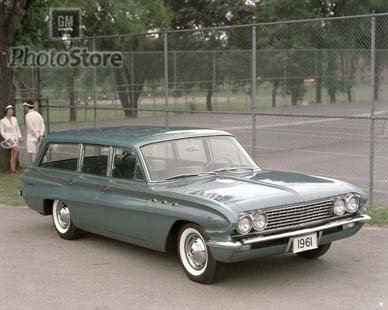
[[28, 105], [9, 107]]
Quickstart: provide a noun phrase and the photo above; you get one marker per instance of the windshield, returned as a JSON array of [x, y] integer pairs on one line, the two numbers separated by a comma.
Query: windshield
[[195, 156]]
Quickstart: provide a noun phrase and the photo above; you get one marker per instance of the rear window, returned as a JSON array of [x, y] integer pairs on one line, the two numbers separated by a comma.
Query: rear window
[[61, 156]]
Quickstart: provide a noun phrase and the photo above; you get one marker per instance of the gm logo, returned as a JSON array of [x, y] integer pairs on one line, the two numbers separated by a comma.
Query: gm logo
[[65, 22]]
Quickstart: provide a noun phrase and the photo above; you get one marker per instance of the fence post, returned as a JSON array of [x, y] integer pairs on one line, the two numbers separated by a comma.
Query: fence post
[[132, 111], [214, 76], [166, 79], [253, 95], [94, 88], [48, 115], [372, 107], [175, 80]]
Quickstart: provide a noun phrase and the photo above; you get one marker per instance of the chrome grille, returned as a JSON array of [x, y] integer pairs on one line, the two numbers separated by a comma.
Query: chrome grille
[[299, 215]]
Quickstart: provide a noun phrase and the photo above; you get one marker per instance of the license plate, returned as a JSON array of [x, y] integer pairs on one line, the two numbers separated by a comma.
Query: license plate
[[304, 243]]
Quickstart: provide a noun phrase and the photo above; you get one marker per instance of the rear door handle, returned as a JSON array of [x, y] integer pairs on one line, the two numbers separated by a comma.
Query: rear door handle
[[69, 181]]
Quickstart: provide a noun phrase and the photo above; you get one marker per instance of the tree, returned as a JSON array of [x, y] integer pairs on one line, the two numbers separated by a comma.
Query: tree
[[288, 42], [19, 23], [202, 14], [350, 35], [129, 17]]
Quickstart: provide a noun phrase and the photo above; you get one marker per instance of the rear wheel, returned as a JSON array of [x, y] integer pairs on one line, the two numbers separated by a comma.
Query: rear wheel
[[318, 252], [63, 223], [196, 259]]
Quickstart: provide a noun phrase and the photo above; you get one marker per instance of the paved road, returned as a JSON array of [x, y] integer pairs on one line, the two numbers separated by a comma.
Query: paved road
[[38, 270]]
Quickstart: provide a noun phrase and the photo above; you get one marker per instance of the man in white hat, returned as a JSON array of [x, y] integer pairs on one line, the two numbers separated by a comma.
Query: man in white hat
[[35, 129]]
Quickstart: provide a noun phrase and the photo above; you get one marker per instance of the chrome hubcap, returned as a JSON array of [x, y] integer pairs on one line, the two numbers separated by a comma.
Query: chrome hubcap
[[195, 251], [63, 215]]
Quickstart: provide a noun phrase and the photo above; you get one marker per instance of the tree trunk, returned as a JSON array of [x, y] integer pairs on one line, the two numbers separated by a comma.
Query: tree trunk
[[331, 92], [122, 92], [135, 98], [7, 96], [318, 91], [349, 91], [4, 158], [332, 77], [294, 99], [10, 21], [349, 84], [209, 95], [72, 102], [275, 85]]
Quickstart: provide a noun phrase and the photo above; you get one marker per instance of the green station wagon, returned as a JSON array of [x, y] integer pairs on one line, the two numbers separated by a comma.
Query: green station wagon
[[194, 190]]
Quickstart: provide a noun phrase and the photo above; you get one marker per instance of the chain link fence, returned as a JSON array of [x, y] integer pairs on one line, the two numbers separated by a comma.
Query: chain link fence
[[305, 95]]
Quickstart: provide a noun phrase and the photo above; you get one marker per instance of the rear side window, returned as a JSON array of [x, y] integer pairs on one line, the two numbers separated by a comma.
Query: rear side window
[[95, 160], [61, 156]]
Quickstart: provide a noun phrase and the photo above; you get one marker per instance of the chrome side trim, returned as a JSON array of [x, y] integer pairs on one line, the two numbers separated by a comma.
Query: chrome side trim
[[362, 218]]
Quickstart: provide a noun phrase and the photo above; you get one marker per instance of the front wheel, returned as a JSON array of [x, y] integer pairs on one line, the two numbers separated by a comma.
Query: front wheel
[[196, 259], [318, 252], [63, 223]]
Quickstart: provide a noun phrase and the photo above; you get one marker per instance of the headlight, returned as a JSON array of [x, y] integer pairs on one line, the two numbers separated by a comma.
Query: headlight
[[244, 225], [259, 221], [352, 204], [339, 207]]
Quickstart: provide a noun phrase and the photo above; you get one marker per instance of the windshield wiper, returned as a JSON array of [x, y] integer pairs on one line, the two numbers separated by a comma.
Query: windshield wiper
[[233, 169], [180, 176], [225, 169], [187, 175]]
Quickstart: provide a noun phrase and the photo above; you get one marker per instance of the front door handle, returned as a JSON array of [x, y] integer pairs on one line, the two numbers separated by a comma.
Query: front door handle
[[103, 188]]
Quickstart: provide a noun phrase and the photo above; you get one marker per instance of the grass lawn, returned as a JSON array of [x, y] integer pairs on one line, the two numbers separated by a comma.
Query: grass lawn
[[379, 215], [9, 189]]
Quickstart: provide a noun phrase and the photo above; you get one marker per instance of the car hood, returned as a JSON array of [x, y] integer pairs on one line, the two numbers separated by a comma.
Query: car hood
[[243, 192]]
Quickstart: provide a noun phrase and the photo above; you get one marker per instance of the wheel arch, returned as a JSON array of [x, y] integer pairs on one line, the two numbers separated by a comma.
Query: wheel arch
[[48, 206], [172, 236]]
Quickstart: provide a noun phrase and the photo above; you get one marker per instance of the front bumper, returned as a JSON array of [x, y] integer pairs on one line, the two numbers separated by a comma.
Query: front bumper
[[250, 248]]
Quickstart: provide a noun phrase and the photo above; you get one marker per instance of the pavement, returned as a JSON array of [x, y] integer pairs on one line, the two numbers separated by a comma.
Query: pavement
[[39, 270]]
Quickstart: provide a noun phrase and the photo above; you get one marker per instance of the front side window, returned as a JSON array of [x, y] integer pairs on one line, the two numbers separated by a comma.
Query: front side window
[[195, 156], [126, 165], [95, 161], [61, 156]]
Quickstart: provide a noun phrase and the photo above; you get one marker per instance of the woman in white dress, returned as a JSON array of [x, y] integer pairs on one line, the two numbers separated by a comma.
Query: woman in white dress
[[10, 131]]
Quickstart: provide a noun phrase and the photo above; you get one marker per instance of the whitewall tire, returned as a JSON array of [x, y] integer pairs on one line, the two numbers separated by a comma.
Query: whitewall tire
[[62, 221], [195, 257]]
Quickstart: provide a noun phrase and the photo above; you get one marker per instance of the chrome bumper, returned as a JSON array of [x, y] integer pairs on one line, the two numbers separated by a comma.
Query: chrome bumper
[[235, 245]]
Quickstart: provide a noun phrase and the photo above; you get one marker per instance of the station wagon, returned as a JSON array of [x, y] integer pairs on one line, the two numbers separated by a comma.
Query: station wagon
[[194, 190]]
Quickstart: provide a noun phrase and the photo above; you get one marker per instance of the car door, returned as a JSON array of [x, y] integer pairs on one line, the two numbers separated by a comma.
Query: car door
[[124, 194], [91, 214]]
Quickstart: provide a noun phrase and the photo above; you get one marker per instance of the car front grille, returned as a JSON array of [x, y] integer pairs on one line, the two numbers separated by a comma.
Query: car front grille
[[297, 216]]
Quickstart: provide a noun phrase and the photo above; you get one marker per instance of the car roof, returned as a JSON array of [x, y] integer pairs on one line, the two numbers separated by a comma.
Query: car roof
[[129, 136]]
